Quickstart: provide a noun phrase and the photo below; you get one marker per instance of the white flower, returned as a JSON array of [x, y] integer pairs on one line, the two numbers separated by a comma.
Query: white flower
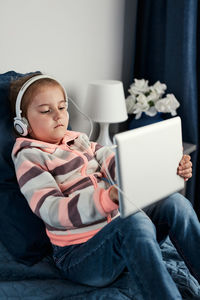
[[141, 105], [130, 103], [148, 99], [168, 104], [153, 96], [159, 88], [139, 86]]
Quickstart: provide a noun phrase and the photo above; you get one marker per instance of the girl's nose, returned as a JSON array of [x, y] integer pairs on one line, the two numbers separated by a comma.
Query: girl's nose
[[57, 114]]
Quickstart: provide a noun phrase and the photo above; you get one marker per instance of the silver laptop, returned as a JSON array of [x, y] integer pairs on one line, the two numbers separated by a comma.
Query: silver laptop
[[147, 159]]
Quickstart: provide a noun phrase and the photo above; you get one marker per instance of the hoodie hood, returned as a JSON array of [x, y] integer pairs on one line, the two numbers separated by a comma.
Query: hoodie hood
[[22, 143]]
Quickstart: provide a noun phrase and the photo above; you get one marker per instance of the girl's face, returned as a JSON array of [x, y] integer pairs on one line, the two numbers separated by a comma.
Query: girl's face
[[47, 114]]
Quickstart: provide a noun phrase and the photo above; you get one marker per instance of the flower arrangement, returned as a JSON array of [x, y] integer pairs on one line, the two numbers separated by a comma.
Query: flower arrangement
[[149, 99]]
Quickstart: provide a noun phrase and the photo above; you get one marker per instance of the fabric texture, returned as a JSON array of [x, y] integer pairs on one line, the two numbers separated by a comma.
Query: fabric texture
[[64, 185], [43, 280], [21, 231]]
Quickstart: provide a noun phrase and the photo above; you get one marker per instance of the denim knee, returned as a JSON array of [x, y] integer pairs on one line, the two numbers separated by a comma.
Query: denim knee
[[138, 225], [178, 204]]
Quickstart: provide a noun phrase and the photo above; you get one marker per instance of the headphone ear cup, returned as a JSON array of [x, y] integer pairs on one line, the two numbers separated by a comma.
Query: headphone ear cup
[[21, 126]]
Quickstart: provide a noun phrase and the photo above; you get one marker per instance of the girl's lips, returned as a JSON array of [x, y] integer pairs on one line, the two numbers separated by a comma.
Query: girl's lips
[[58, 125]]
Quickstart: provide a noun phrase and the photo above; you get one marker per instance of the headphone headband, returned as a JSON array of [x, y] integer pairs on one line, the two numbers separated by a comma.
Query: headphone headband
[[18, 120], [25, 87]]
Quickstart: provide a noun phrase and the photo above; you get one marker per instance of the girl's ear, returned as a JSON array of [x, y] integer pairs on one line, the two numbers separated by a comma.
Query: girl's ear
[[29, 129], [25, 121]]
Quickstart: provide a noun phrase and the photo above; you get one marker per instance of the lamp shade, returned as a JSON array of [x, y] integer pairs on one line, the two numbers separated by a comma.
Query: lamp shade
[[105, 101]]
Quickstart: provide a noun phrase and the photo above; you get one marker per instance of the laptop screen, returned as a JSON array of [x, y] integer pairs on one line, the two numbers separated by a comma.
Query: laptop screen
[[147, 159]]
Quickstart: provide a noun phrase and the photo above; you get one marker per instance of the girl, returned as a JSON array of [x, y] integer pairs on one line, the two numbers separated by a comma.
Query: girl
[[58, 173]]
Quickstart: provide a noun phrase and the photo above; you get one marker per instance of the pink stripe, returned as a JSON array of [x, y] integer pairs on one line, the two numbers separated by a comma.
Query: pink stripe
[[26, 166], [97, 196], [93, 146], [63, 215], [71, 239], [107, 162], [19, 144], [52, 164], [37, 196], [64, 186]]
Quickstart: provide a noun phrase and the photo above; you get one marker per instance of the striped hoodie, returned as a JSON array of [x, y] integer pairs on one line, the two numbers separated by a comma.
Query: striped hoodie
[[64, 185]]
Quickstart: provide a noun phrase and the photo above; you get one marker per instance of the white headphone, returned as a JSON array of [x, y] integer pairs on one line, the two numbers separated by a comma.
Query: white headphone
[[20, 123]]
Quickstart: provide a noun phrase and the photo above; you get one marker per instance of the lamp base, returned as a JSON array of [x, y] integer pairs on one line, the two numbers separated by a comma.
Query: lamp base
[[104, 138]]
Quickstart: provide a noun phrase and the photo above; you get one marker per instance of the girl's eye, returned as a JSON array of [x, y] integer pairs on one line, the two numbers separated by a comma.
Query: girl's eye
[[45, 112], [50, 110]]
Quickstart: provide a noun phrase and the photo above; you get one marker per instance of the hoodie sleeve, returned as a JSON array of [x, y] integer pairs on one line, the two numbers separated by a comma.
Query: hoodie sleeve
[[106, 158], [103, 154], [47, 201]]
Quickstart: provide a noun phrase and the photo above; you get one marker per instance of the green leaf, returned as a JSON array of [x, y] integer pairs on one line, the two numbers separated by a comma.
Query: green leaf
[[151, 103]]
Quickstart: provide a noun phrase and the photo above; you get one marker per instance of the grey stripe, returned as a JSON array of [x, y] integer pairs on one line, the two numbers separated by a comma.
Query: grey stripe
[[59, 153], [49, 211], [98, 147], [51, 228], [83, 183], [88, 211], [111, 168], [89, 157], [54, 192], [38, 183], [73, 213], [81, 229], [61, 179], [75, 174], [25, 144], [30, 174], [98, 222], [32, 155], [103, 153], [67, 167]]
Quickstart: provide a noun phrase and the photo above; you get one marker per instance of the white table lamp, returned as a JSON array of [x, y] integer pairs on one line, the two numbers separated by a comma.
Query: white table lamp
[[105, 104]]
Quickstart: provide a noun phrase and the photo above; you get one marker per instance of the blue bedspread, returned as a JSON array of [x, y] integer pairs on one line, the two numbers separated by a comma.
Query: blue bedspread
[[42, 281]]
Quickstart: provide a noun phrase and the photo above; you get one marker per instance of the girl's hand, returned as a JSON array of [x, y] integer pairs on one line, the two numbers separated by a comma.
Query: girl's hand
[[185, 167], [114, 194]]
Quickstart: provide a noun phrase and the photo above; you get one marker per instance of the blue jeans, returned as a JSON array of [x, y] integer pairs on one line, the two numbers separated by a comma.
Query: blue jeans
[[133, 243]]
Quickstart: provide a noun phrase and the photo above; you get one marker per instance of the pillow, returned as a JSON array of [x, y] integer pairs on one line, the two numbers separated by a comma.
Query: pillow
[[21, 231]]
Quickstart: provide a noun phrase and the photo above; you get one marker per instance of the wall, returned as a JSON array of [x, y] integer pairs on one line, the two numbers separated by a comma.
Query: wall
[[74, 40]]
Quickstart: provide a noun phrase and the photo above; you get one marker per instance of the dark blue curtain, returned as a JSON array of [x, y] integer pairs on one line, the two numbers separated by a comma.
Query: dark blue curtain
[[167, 49]]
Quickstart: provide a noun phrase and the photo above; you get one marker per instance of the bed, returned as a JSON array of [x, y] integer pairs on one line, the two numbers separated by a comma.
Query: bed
[[27, 270], [43, 281]]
